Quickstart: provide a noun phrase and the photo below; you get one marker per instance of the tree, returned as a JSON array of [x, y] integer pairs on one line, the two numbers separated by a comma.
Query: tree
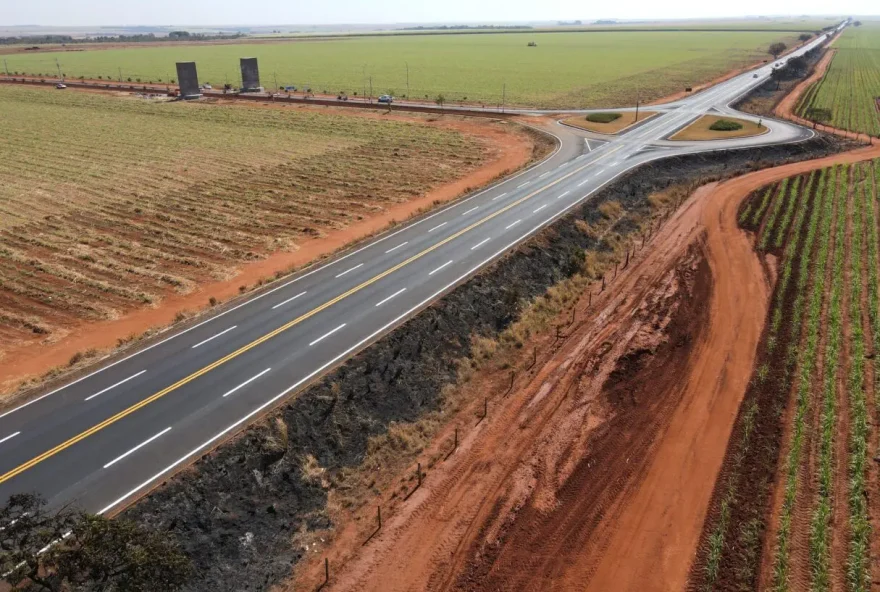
[[776, 75], [805, 37], [440, 100], [69, 550], [776, 49]]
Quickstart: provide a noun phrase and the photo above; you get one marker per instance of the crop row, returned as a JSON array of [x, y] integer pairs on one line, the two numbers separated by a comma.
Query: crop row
[[858, 577], [851, 86], [810, 280], [789, 256], [820, 531]]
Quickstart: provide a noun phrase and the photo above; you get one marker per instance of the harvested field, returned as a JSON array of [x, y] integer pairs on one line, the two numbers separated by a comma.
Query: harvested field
[[109, 204], [798, 500]]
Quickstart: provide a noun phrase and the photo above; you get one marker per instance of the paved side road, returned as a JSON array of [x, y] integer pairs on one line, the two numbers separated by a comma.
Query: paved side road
[[101, 440]]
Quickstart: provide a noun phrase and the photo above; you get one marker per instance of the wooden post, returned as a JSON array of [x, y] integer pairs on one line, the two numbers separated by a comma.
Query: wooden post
[[455, 445], [379, 515], [485, 407], [603, 284], [625, 265], [590, 303], [615, 270], [419, 469], [326, 570]]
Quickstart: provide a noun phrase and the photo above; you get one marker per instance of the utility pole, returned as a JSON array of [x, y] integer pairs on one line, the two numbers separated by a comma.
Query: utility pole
[[6, 67], [371, 90], [120, 74], [57, 65], [407, 79], [638, 100], [275, 75], [503, 95]]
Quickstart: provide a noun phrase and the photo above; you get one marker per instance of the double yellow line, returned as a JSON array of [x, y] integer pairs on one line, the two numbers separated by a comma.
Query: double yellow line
[[125, 413]]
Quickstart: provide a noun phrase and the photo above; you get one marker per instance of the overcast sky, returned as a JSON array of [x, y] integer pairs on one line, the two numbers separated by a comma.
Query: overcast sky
[[287, 12]]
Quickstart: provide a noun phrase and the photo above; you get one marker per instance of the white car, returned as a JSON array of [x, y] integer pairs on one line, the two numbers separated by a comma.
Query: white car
[[60, 85], [386, 99]]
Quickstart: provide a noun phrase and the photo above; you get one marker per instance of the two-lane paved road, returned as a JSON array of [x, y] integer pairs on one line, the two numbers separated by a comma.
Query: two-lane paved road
[[106, 437]]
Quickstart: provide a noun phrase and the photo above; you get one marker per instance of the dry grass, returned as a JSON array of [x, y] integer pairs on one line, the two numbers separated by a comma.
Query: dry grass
[[699, 130], [110, 203], [626, 119]]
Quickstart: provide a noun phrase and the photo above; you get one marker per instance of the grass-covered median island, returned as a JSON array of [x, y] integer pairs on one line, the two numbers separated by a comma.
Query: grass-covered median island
[[607, 122], [725, 125], [714, 127], [602, 117]]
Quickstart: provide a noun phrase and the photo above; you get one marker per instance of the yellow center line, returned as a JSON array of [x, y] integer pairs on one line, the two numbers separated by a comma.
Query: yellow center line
[[98, 427]]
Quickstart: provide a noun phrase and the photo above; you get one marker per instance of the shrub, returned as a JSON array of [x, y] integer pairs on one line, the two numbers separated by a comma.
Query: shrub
[[603, 117], [725, 125]]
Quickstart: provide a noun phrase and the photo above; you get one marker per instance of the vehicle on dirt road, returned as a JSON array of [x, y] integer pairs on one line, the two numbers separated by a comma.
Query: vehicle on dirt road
[[60, 85], [386, 99]]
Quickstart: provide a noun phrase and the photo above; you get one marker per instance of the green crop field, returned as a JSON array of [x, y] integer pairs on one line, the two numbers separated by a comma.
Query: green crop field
[[564, 70], [850, 88]]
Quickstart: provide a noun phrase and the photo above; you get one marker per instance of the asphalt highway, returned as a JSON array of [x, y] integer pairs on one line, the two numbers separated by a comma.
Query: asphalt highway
[[101, 440]]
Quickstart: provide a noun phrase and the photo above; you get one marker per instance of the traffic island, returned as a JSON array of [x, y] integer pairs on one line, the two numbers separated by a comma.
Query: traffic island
[[609, 123], [715, 127]]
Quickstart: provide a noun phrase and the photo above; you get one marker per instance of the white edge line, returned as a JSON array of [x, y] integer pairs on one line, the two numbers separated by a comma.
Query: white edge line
[[480, 244], [280, 304], [10, 437], [499, 196], [101, 392], [344, 354], [215, 336], [326, 335], [350, 269], [138, 447], [381, 302], [441, 267], [251, 300], [397, 247], [247, 382]]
